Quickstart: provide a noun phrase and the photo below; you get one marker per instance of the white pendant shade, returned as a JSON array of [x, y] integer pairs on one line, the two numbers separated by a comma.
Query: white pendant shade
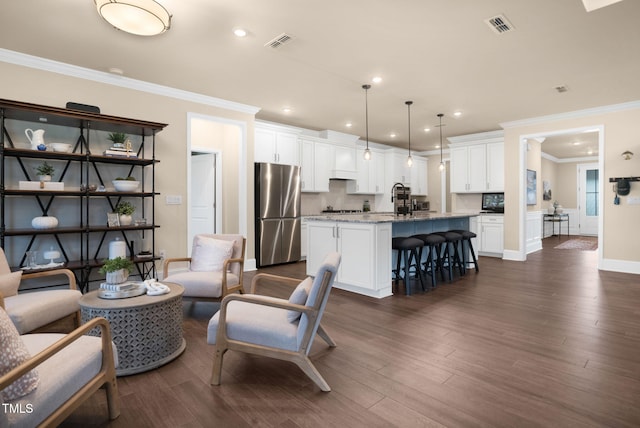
[[139, 17]]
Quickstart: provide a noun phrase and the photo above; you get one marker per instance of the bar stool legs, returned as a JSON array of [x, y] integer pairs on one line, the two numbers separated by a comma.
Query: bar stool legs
[[466, 237], [433, 245], [408, 249]]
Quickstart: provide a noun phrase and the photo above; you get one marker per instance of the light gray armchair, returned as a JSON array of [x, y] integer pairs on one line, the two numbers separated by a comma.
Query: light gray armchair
[[215, 268], [273, 327], [38, 310]]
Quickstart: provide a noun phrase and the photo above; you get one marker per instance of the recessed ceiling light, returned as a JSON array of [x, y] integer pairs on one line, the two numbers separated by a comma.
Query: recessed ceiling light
[[116, 70], [240, 32], [377, 79], [348, 124], [437, 146], [427, 129], [576, 143], [457, 113], [286, 109], [392, 135], [589, 152]]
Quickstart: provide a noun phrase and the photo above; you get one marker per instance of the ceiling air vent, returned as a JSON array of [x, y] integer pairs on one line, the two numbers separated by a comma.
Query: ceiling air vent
[[499, 24], [278, 41]]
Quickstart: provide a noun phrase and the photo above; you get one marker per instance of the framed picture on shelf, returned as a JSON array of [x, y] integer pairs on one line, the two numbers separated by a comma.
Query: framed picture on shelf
[[113, 220]]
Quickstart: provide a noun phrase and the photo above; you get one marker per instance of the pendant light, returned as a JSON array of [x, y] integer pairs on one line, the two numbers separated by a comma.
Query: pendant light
[[408, 103], [441, 167], [367, 152]]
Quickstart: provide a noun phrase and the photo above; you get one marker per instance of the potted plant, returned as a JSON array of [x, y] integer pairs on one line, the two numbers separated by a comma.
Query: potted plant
[[118, 139], [116, 270], [125, 209], [45, 171]]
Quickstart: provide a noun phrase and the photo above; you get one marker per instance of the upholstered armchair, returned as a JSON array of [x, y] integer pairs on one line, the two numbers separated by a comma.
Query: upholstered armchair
[[215, 268], [273, 327], [37, 310], [44, 377]]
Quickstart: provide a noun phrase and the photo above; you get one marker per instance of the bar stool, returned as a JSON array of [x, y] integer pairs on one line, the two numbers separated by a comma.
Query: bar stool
[[451, 253], [433, 243], [466, 237], [407, 248]]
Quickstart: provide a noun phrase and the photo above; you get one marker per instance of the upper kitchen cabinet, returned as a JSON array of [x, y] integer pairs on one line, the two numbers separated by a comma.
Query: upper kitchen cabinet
[[274, 145], [419, 176], [477, 162], [343, 164], [370, 174], [317, 158]]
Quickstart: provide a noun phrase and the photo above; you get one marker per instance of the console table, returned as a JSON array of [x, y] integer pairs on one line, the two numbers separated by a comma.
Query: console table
[[553, 219], [147, 330]]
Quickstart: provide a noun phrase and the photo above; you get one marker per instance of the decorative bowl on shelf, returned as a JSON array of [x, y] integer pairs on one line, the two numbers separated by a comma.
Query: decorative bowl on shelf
[[60, 147], [125, 185], [44, 222]]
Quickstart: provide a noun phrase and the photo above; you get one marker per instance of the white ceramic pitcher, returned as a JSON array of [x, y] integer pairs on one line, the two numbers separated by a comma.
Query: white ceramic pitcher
[[36, 138]]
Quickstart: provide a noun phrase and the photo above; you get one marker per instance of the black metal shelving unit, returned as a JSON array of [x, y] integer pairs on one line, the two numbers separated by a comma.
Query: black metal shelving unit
[[88, 239]]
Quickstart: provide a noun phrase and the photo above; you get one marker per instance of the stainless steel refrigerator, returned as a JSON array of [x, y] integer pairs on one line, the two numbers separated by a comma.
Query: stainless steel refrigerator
[[277, 205]]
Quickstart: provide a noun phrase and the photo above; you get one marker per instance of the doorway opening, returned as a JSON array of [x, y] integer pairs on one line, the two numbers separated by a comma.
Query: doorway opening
[[587, 191], [217, 148]]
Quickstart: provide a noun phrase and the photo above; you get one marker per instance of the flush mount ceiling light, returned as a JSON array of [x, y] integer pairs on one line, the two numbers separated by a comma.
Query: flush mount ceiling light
[[408, 103], [240, 32], [139, 17], [441, 167], [367, 152]]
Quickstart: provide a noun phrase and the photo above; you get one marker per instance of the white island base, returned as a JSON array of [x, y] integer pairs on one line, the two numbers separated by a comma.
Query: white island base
[[364, 242]]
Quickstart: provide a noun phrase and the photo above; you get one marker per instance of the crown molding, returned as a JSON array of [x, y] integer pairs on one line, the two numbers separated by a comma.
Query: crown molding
[[569, 160], [44, 64], [572, 114]]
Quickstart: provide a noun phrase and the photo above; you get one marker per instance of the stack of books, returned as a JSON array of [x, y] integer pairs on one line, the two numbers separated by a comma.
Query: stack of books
[[120, 151]]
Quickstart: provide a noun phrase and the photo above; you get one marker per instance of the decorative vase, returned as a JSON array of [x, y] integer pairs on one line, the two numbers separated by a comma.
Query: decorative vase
[[125, 220], [45, 222], [44, 177], [117, 277]]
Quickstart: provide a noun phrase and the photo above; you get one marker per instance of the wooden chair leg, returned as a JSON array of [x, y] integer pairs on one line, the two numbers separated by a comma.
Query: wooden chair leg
[[325, 336], [113, 399], [216, 372], [309, 369]]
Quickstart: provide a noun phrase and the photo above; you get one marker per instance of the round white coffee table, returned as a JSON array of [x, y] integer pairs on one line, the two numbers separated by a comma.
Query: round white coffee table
[[147, 330]]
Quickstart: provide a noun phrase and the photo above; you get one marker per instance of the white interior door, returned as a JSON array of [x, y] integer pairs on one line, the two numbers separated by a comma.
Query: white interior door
[[203, 194], [588, 209]]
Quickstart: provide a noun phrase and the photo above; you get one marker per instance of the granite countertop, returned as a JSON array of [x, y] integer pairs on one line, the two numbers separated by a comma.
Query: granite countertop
[[387, 217]]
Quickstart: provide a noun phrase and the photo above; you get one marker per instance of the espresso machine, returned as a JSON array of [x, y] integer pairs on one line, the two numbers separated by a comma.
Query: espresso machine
[[401, 198]]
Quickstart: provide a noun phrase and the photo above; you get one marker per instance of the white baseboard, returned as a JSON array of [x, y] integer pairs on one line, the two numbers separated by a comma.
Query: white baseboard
[[249, 265], [512, 255], [623, 266]]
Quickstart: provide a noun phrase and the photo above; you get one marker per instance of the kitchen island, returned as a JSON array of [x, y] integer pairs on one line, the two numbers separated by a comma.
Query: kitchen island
[[364, 242]]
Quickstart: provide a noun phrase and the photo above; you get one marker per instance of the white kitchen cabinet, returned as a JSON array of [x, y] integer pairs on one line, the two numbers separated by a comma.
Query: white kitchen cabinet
[[477, 162], [344, 161], [419, 176], [316, 165], [365, 250], [468, 169], [401, 170], [304, 234], [491, 236], [495, 167], [273, 146], [370, 174]]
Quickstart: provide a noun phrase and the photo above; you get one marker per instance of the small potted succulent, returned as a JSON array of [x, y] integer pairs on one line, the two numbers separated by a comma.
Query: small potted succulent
[[45, 171], [118, 139], [116, 270], [124, 210]]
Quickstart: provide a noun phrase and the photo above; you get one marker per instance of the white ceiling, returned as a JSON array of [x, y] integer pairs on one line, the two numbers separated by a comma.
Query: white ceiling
[[439, 54]]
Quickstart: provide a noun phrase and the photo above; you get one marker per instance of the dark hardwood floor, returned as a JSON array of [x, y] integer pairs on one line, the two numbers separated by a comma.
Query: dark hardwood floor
[[547, 342]]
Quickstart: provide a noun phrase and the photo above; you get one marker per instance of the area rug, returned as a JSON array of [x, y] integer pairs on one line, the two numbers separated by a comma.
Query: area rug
[[578, 244]]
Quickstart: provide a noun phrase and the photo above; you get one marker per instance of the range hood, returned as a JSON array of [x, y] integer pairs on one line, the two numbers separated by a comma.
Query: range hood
[[343, 147]]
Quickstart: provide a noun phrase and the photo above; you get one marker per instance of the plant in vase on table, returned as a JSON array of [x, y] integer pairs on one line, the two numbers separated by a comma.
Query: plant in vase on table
[[124, 210], [116, 269]]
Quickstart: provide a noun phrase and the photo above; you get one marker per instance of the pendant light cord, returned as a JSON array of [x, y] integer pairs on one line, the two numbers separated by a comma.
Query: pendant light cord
[[408, 103]]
